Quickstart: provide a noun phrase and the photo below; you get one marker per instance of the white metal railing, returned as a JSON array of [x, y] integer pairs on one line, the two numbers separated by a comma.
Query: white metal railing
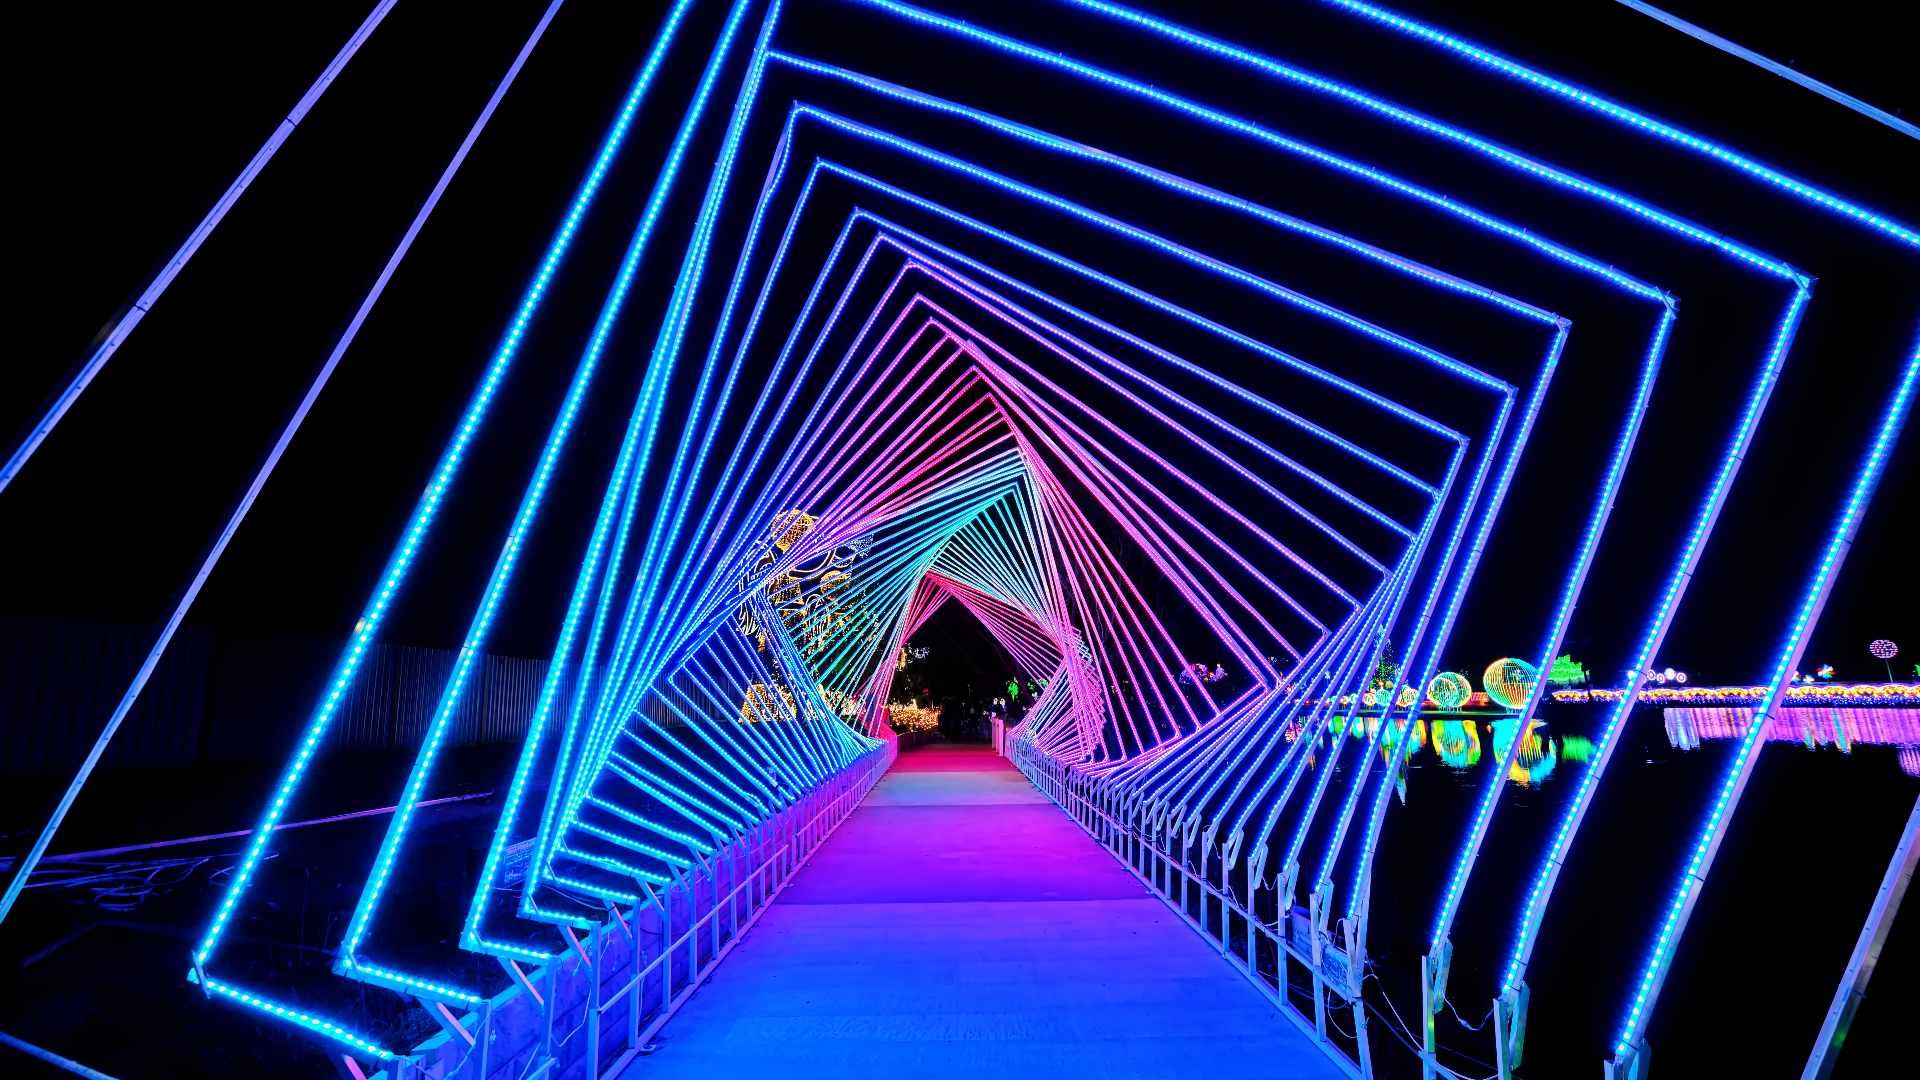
[[774, 851], [1171, 879]]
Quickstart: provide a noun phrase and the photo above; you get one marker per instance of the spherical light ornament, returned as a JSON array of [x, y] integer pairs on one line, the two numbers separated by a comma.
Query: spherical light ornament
[[1509, 681], [1408, 697], [1883, 649], [1449, 690]]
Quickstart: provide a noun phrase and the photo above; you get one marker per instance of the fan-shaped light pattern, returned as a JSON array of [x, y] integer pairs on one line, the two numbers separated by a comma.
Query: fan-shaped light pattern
[[1135, 411]]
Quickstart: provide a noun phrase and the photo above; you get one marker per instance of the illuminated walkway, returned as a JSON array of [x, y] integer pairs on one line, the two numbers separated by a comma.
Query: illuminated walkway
[[959, 924]]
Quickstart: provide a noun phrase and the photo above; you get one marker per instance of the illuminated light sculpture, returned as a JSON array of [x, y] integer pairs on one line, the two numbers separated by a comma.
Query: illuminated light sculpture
[[1449, 690], [1509, 682], [1566, 671], [959, 432], [906, 718], [1886, 651]]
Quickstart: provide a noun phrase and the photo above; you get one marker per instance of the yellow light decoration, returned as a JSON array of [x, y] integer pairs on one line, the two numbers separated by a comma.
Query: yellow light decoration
[[1508, 681], [762, 704], [906, 718]]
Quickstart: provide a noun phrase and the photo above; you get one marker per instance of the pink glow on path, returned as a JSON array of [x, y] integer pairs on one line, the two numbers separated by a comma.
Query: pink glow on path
[[958, 924]]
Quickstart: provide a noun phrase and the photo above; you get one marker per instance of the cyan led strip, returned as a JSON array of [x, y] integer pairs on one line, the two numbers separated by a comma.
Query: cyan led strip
[[424, 511], [524, 518]]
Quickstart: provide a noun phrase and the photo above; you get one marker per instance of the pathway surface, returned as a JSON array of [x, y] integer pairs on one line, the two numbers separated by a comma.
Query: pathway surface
[[958, 924]]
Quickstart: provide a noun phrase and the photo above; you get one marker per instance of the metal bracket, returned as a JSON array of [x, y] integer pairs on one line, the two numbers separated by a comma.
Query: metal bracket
[[1633, 1063], [518, 974], [614, 911], [1350, 931], [444, 1017], [1286, 887], [1437, 964], [198, 976], [1510, 1027]]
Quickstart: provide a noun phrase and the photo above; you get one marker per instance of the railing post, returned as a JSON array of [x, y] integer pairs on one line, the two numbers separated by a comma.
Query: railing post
[[595, 953]]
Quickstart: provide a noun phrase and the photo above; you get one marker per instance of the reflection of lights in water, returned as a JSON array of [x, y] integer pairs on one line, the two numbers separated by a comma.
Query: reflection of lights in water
[[1534, 757], [1459, 745], [1812, 728], [1457, 742]]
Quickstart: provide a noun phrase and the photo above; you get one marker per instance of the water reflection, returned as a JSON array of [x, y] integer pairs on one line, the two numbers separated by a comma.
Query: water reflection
[[1461, 743], [1844, 728]]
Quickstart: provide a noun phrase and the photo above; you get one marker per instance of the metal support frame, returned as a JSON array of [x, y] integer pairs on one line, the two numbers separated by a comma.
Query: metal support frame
[[1866, 951]]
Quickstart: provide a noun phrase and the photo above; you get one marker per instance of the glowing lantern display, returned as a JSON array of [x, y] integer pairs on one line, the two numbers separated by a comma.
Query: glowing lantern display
[[1508, 681], [1886, 651], [1449, 690]]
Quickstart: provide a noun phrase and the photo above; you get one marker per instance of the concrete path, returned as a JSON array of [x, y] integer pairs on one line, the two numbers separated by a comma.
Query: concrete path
[[958, 924]]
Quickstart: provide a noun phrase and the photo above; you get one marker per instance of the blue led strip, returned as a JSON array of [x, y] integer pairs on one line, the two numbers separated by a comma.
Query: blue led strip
[[1569, 595], [1693, 877], [1513, 456], [1159, 177], [1314, 153], [304, 1019], [1689, 556], [1365, 250], [1655, 351], [1323, 877], [524, 518], [1327, 768], [1630, 118], [1418, 122], [662, 362], [402, 559]]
